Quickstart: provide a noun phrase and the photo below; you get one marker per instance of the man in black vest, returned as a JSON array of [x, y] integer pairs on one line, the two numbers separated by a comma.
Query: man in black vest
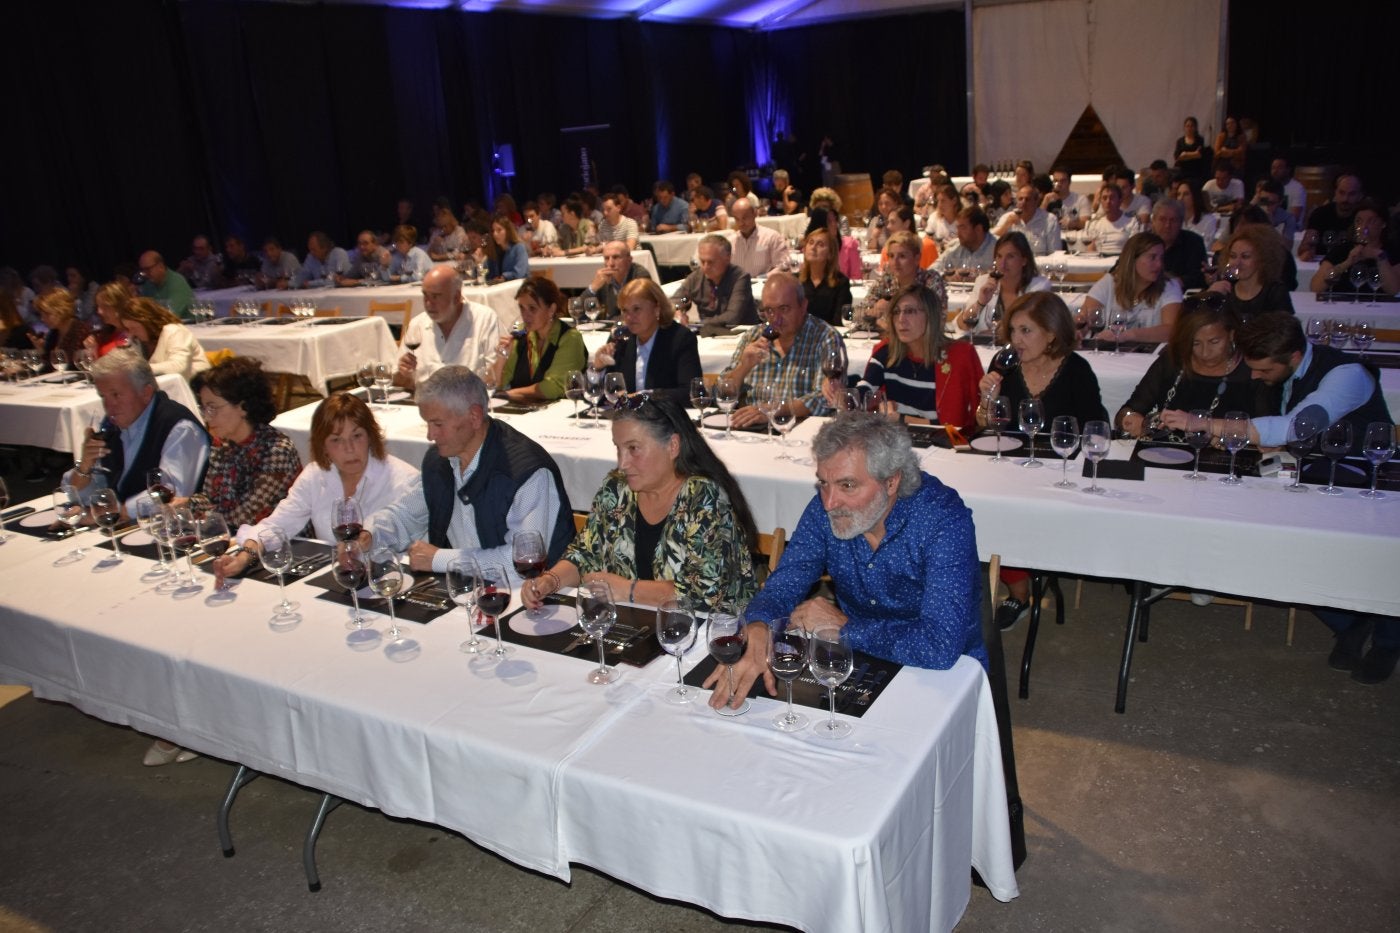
[[1277, 352], [143, 430], [482, 483]]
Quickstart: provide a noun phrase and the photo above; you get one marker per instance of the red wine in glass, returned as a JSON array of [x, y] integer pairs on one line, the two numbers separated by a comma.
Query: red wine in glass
[[529, 569], [493, 600], [348, 531], [727, 649], [162, 493], [215, 547], [413, 344], [770, 333], [185, 544]]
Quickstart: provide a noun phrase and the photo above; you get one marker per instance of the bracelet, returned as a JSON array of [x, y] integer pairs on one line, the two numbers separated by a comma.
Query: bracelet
[[78, 468], [555, 576], [632, 592]]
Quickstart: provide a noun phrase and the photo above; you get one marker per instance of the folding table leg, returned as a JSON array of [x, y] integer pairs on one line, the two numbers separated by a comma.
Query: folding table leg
[[242, 776], [1136, 611], [308, 853]]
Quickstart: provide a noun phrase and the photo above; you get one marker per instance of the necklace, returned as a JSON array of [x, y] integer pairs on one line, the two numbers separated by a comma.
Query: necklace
[[1153, 417]]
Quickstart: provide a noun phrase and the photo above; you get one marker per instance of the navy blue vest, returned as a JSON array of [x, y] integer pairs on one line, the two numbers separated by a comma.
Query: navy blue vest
[[165, 414], [1324, 360], [508, 459]]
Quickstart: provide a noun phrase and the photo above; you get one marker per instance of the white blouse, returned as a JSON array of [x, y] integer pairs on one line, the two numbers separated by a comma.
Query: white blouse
[[178, 351], [1140, 314], [316, 490]]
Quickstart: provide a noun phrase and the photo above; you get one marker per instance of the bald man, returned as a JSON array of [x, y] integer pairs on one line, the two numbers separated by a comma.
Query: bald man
[[757, 250], [164, 284]]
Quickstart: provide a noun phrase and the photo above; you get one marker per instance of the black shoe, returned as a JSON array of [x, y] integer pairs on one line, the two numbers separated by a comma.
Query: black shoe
[[1377, 666], [1346, 656], [1011, 611]]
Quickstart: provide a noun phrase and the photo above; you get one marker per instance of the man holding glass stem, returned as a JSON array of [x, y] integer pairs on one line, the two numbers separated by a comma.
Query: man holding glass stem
[[899, 546], [153, 431], [481, 482]]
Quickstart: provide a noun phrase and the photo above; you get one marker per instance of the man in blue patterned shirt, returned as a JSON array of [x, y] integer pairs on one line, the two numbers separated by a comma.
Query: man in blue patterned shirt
[[899, 545]]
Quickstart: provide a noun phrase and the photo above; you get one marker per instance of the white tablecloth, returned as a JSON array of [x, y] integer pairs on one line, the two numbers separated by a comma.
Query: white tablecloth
[[673, 249], [40, 414], [530, 761], [1256, 540], [578, 271], [320, 352], [789, 225], [353, 301]]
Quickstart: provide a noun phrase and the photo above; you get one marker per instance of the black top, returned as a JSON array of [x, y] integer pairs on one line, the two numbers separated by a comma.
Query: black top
[[1074, 390], [1185, 258], [1272, 297], [824, 301], [1197, 169], [646, 540], [1237, 391], [675, 360]]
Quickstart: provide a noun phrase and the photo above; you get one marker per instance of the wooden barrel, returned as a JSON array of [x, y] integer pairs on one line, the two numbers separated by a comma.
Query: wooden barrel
[[1317, 181], [856, 193]]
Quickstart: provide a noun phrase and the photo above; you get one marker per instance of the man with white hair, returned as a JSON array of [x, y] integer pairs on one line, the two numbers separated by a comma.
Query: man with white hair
[[899, 545], [449, 331], [757, 250]]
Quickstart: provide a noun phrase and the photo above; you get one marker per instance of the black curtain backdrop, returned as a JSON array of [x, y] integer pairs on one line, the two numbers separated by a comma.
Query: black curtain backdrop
[[137, 125]]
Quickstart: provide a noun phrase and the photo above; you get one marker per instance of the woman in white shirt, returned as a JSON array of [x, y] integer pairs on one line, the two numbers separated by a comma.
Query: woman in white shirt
[[169, 345], [348, 461], [1200, 219], [1140, 287], [1013, 274]]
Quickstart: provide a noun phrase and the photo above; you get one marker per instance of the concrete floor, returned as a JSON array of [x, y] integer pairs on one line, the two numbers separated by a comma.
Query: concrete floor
[[1247, 787]]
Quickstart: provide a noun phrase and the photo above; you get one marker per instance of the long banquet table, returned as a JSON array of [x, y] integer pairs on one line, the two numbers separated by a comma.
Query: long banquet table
[[42, 414], [318, 351], [530, 761]]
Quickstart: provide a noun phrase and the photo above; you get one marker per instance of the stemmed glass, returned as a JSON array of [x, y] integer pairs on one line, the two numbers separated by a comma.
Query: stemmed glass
[[383, 378], [784, 419], [364, 377], [787, 655], [350, 570], [1031, 414], [835, 363], [726, 398], [767, 398], [1303, 432], [184, 540], [615, 388], [1378, 444], [1097, 439], [1376, 285], [69, 509], [277, 559], [1316, 331], [1336, 441], [1341, 332], [1097, 322], [1358, 279], [1197, 436], [463, 577], [528, 555], [727, 637], [159, 486], [214, 537], [590, 308], [594, 390], [1064, 439], [1118, 324], [998, 419], [575, 385], [492, 598], [1363, 334], [107, 513], [1234, 437], [59, 360], [386, 579], [831, 660], [83, 360], [699, 396], [675, 629], [596, 614]]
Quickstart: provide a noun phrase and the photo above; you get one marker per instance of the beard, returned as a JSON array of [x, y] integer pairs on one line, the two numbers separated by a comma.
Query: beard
[[849, 523]]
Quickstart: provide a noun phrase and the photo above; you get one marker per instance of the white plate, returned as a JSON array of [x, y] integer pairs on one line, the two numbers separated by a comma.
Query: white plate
[[990, 443], [137, 538], [41, 519], [553, 620], [1167, 456]]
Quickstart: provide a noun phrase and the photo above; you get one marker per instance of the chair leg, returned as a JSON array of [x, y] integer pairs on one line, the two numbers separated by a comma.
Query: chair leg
[[1028, 652], [1292, 617], [1078, 592], [242, 776], [1137, 612], [308, 852], [1054, 585]]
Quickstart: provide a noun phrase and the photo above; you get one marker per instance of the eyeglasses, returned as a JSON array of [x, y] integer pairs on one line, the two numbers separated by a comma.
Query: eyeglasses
[[213, 408], [769, 313]]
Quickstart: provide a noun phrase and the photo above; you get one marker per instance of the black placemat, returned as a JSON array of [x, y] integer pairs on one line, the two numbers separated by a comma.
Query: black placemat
[[1213, 459], [1352, 472], [421, 604], [1116, 469], [631, 640], [869, 678], [715, 422], [332, 321]]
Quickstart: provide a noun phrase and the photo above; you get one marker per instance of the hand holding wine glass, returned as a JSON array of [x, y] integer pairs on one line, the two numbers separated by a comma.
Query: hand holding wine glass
[[528, 556], [831, 660], [728, 639], [214, 538]]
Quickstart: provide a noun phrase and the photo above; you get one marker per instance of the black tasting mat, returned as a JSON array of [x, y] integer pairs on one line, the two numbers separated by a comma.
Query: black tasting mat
[[1213, 459], [1116, 469], [422, 604], [868, 680], [631, 640], [308, 556], [55, 531], [715, 422], [332, 321], [517, 408], [929, 435], [1352, 472]]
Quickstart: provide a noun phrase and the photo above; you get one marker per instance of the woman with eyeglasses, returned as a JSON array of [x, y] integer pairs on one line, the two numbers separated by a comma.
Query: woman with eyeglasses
[[251, 464], [669, 522], [1200, 369]]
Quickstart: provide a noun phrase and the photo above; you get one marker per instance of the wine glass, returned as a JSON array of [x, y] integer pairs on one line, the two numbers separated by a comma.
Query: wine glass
[[1031, 415], [1336, 441], [1118, 325], [1340, 333], [576, 312], [1097, 321], [784, 418], [767, 398], [68, 508], [590, 308], [59, 360], [1303, 432], [728, 638], [106, 511], [726, 398], [347, 521], [492, 598], [350, 570], [1234, 437], [386, 578], [1064, 440], [1197, 436], [1376, 286], [831, 661], [364, 377], [699, 396], [615, 388], [675, 629], [383, 378], [1316, 330], [596, 614], [1098, 436], [214, 537], [835, 362], [463, 578], [787, 655], [277, 559], [1378, 444], [528, 555], [1357, 276], [83, 360], [160, 486], [594, 390], [1363, 334], [998, 419], [575, 385]]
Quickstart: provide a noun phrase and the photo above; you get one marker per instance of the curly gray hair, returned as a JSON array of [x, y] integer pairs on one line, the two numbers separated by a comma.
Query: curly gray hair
[[888, 449]]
